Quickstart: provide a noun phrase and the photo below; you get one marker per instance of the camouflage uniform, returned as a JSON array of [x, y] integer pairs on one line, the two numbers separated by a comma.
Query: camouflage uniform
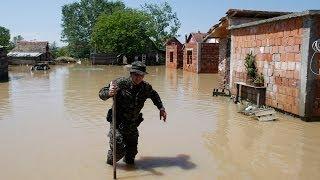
[[130, 100]]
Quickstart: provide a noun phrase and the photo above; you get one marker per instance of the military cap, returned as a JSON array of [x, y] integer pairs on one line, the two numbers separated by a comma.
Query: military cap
[[138, 67]]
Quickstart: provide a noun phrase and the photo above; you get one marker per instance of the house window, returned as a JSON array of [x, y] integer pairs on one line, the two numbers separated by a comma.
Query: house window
[[171, 56], [189, 56]]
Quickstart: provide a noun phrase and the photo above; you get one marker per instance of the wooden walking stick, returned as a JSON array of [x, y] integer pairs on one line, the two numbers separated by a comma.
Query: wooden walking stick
[[114, 138]]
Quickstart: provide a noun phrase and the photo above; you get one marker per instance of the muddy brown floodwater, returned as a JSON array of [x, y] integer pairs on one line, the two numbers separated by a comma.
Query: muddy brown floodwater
[[53, 127]]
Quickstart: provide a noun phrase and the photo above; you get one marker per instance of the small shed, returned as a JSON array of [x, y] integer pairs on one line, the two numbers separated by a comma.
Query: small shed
[[174, 54], [200, 56], [3, 64], [30, 52], [283, 49]]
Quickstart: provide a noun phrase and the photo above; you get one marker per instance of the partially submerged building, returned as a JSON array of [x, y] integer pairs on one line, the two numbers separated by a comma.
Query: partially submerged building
[[283, 49], [3, 64], [200, 56], [30, 52], [152, 55], [174, 54], [103, 59], [220, 32]]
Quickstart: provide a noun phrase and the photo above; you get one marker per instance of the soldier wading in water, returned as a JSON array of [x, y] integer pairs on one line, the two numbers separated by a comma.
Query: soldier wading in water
[[131, 93]]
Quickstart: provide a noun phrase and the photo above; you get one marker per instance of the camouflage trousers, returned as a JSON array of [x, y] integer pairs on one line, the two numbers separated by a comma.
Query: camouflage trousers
[[126, 142]]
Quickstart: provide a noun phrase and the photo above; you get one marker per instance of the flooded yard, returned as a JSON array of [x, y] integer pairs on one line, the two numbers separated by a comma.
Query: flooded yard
[[53, 126]]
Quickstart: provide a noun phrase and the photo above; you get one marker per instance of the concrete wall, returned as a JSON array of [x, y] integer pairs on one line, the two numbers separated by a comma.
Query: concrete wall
[[312, 106], [224, 63], [3, 65], [316, 104], [277, 46], [209, 58], [177, 62]]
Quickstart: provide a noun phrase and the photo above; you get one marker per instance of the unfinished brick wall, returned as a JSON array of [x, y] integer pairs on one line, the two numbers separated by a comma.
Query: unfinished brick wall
[[176, 62], [277, 46], [209, 58], [193, 66]]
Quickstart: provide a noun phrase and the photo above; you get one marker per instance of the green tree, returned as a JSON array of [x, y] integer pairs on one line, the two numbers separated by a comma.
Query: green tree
[[78, 20], [4, 36], [123, 32], [16, 39], [63, 51], [164, 22], [53, 49]]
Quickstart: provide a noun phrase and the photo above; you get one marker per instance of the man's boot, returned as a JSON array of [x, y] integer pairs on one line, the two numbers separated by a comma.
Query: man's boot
[[109, 161], [128, 160]]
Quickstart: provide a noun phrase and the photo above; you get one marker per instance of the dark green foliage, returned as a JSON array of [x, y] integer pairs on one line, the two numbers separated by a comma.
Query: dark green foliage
[[78, 20], [259, 80], [123, 32], [164, 23], [252, 72], [250, 66], [4, 36], [16, 39]]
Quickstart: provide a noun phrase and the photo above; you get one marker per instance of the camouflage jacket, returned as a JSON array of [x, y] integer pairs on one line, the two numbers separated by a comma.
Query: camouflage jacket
[[131, 98]]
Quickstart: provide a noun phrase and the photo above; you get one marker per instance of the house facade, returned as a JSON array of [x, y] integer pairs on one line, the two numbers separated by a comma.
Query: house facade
[[30, 52], [284, 55], [200, 56], [174, 54]]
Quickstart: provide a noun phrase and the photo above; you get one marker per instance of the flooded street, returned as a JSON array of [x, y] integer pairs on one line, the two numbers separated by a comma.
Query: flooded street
[[53, 127]]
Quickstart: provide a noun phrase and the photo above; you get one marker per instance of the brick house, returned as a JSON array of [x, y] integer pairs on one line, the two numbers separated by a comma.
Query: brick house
[[282, 46], [220, 32], [174, 54], [199, 56], [30, 52], [3, 64]]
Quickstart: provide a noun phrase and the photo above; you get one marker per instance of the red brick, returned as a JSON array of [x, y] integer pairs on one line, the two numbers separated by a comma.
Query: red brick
[[289, 74], [297, 41], [296, 92], [296, 74], [259, 43], [278, 80], [278, 41], [285, 81], [291, 56], [291, 41], [295, 109], [293, 83], [286, 33], [296, 48], [297, 57], [275, 49]]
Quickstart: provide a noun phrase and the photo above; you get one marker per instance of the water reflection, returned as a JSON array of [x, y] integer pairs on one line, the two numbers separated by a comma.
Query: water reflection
[[5, 105], [245, 148]]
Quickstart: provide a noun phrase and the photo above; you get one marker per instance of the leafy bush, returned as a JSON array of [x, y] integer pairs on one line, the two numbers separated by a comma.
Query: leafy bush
[[250, 66], [259, 80]]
